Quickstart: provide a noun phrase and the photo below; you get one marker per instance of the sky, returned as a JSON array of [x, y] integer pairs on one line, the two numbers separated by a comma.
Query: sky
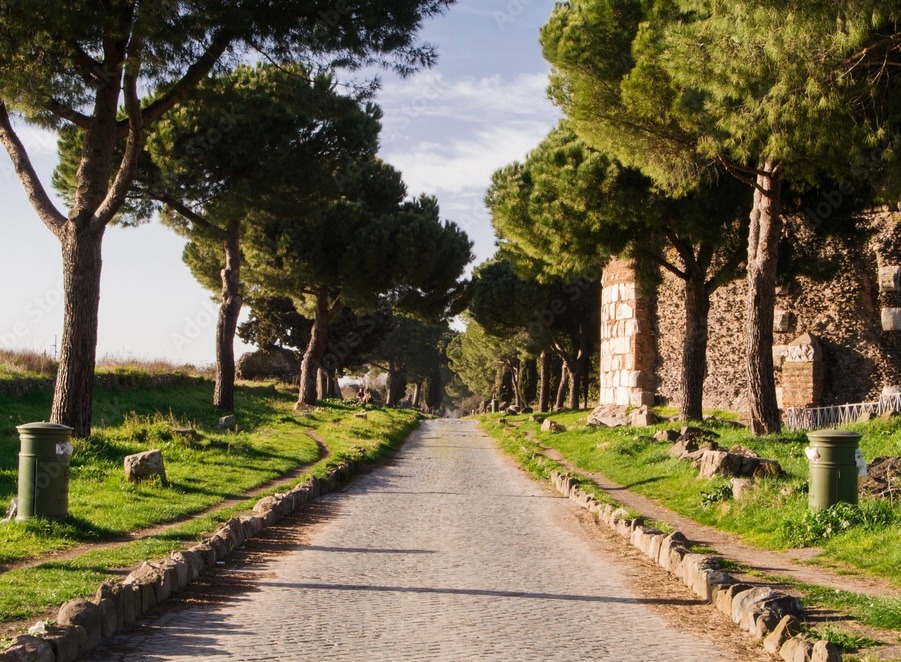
[[447, 129]]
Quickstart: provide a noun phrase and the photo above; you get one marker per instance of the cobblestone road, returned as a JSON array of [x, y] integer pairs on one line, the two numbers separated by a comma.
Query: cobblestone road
[[448, 553]]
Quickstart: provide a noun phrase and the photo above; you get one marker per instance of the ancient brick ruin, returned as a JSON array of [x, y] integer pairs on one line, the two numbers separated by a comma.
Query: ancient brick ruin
[[837, 340], [628, 352]]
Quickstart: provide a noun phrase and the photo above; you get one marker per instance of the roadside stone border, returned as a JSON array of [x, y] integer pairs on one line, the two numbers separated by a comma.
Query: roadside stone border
[[82, 624], [762, 611]]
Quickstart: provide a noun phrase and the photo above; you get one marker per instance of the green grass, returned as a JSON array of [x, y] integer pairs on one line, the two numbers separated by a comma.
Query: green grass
[[877, 612], [270, 443], [768, 517], [843, 640]]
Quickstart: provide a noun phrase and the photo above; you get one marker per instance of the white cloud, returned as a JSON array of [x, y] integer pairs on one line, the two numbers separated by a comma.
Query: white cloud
[[489, 99], [449, 135], [464, 164]]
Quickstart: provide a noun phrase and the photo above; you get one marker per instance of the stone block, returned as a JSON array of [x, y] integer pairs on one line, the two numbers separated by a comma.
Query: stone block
[[675, 539], [890, 278], [127, 597], [206, 553], [219, 545], [891, 319], [87, 615], [624, 527], [552, 426], [113, 591], [624, 311], [656, 541], [748, 620], [788, 627], [796, 649], [765, 622], [66, 642], [782, 321], [179, 565], [145, 466], [107, 617], [825, 651], [228, 422], [607, 513], [758, 599], [723, 599], [742, 487], [26, 648], [636, 536]]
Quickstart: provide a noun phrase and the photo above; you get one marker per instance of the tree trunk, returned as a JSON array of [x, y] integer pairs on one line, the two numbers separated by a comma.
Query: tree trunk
[[335, 386], [579, 368], [561, 388], [572, 399], [434, 394], [82, 262], [226, 325], [417, 388], [694, 347], [323, 385], [309, 366], [515, 367], [544, 390], [763, 251], [397, 386]]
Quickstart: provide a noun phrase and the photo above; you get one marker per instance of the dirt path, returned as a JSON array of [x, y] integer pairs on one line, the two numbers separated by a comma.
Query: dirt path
[[74, 552], [788, 564]]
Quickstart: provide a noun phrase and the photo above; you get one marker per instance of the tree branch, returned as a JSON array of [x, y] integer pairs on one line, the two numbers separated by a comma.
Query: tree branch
[[86, 65], [34, 189], [685, 250], [195, 73], [70, 114], [746, 174], [128, 167], [662, 262], [705, 256], [853, 61], [189, 214]]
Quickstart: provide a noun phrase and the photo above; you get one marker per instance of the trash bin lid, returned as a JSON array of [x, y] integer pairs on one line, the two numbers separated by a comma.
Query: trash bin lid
[[44, 425], [839, 436]]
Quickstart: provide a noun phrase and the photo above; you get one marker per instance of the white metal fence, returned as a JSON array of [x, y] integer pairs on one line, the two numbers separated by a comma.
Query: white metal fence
[[818, 418]]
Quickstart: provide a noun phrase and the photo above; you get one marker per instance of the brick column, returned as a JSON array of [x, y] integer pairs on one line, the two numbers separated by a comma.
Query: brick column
[[802, 373], [628, 352]]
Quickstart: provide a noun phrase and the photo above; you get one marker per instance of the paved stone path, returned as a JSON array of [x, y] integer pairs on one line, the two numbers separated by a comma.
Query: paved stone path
[[448, 553]]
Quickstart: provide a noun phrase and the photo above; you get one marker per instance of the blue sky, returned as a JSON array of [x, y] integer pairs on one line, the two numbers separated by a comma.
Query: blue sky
[[447, 129]]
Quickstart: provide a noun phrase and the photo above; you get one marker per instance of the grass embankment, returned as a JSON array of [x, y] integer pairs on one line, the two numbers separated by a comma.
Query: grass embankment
[[774, 516], [271, 442]]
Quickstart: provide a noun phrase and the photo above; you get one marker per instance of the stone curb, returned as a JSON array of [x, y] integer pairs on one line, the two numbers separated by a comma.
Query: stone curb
[[762, 611], [82, 624]]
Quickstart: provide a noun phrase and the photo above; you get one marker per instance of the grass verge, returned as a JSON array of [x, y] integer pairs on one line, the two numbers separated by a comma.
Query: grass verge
[[270, 443], [775, 514]]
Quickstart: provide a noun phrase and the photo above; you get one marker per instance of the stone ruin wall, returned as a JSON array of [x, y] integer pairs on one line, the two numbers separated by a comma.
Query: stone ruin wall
[[627, 339], [850, 356]]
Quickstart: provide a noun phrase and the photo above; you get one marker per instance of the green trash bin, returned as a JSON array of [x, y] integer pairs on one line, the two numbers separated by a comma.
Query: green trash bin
[[833, 467], [43, 470]]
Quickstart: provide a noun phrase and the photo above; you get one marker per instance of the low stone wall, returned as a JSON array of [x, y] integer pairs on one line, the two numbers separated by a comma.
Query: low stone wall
[[82, 624], [762, 611]]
